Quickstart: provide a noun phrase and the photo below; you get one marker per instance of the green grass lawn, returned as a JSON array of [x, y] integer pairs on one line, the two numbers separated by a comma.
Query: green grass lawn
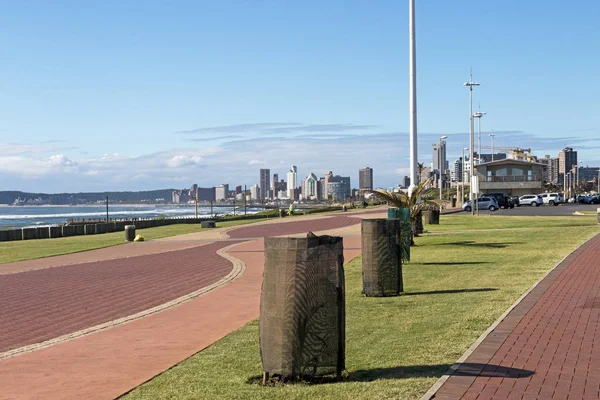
[[451, 222], [19, 250], [456, 285], [589, 212]]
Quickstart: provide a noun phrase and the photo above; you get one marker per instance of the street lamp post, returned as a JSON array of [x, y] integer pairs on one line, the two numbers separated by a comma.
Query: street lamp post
[[440, 168], [470, 84], [492, 135], [413, 97], [462, 187], [478, 115]]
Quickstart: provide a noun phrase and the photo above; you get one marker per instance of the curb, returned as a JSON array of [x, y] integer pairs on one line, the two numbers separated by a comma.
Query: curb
[[238, 269], [430, 394]]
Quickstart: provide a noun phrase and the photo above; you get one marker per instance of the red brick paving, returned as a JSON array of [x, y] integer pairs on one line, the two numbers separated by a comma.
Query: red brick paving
[[291, 228], [47, 303], [106, 364], [130, 249], [548, 347], [42, 304]]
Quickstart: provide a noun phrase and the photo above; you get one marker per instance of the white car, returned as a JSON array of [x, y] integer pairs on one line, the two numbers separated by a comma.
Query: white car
[[485, 203], [552, 199], [531, 199]]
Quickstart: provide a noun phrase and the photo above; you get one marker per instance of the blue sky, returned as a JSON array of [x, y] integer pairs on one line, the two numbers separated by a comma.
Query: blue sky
[[145, 95]]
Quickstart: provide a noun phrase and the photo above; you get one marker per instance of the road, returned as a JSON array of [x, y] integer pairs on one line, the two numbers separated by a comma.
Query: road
[[545, 210]]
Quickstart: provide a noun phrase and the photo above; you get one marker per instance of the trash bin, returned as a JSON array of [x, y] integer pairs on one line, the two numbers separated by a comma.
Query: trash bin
[[129, 233], [454, 202]]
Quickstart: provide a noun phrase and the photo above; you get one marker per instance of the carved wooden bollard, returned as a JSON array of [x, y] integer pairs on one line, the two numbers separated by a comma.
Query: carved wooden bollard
[[302, 327], [381, 257]]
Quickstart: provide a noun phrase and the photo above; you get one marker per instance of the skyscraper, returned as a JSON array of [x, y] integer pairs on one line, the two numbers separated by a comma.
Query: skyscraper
[[365, 178], [222, 192], [551, 170], [439, 156], [567, 159], [406, 182], [275, 185], [310, 187], [292, 181], [264, 183], [254, 192], [458, 170]]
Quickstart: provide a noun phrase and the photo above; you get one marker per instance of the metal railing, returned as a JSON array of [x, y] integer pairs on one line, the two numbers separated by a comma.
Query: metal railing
[[515, 178]]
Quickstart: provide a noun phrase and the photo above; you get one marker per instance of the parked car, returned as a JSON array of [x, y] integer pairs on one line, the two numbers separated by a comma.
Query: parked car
[[484, 202], [595, 199], [514, 200], [502, 199], [552, 199], [531, 200]]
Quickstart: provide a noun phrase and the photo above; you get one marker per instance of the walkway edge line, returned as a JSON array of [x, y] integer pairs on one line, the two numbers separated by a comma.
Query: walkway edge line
[[436, 386], [238, 269]]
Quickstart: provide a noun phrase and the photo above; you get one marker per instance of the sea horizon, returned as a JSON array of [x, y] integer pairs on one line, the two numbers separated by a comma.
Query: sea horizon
[[46, 215]]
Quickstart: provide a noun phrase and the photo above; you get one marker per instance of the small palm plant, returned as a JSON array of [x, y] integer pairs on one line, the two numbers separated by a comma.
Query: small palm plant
[[416, 202]]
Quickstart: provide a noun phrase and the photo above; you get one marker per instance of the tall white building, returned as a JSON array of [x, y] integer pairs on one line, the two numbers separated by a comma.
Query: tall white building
[[310, 187], [292, 181], [254, 192], [439, 156], [222, 192]]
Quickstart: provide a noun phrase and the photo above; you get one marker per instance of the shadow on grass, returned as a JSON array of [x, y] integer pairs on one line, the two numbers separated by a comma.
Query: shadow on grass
[[450, 291], [451, 263], [471, 243], [400, 372]]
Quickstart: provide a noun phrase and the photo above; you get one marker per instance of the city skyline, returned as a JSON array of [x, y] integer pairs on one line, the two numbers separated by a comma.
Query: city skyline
[[85, 107]]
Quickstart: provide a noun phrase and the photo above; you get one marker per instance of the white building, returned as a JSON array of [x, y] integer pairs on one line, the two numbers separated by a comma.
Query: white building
[[292, 178], [254, 192], [222, 192], [310, 187]]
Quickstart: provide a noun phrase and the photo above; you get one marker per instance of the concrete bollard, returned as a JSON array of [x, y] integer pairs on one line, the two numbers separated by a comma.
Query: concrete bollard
[[302, 326], [208, 224], [598, 215], [381, 257]]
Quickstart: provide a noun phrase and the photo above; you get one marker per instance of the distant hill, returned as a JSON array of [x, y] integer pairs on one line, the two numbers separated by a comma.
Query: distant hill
[[148, 196]]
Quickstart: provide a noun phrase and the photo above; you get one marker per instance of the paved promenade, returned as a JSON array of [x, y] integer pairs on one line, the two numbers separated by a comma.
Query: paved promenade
[[548, 346], [50, 299]]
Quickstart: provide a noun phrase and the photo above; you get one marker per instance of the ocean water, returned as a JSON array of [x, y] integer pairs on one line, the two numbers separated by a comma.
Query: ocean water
[[25, 216]]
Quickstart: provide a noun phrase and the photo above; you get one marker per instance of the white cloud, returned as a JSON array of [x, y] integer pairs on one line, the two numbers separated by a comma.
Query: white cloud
[[237, 162], [183, 161], [60, 160]]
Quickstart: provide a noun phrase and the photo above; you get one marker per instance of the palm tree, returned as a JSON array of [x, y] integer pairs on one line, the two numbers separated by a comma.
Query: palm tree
[[416, 202]]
